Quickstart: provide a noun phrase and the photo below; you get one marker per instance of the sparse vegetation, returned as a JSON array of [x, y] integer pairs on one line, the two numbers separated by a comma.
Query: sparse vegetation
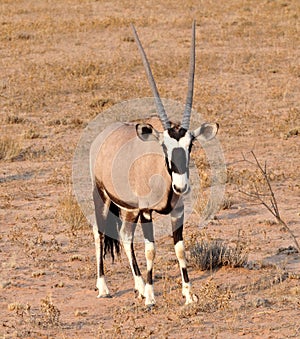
[[265, 195], [31, 134], [50, 312], [100, 104], [71, 213], [14, 119], [9, 148], [19, 308], [212, 254], [48, 315]]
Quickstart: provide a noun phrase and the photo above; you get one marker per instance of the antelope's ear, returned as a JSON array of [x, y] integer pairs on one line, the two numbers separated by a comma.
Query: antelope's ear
[[146, 132], [206, 132]]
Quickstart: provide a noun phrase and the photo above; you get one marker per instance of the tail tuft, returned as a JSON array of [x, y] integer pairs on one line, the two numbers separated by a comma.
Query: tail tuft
[[111, 236]]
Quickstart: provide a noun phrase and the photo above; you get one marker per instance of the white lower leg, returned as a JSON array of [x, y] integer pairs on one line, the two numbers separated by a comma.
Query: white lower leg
[[139, 284], [102, 288], [150, 255], [187, 293], [100, 284], [149, 295], [186, 286]]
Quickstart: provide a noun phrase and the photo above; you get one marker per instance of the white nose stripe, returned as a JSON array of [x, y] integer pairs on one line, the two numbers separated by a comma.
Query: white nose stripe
[[180, 180]]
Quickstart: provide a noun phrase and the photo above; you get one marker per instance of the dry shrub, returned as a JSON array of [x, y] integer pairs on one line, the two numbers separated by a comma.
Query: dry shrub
[[14, 119], [57, 122], [31, 134], [71, 213], [263, 193], [9, 148], [207, 255], [76, 122], [227, 203], [50, 312], [19, 308], [47, 317], [101, 103]]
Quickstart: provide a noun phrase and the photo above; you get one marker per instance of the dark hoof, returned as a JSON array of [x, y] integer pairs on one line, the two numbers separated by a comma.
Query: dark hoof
[[137, 295], [106, 296], [149, 308]]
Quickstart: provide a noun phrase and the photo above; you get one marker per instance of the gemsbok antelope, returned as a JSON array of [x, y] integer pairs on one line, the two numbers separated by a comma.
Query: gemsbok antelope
[[140, 168]]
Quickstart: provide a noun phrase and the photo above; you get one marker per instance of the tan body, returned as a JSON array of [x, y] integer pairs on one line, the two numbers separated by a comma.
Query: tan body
[[121, 158]]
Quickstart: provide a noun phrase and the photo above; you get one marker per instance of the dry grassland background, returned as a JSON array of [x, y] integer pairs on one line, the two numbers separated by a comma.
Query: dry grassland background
[[64, 62]]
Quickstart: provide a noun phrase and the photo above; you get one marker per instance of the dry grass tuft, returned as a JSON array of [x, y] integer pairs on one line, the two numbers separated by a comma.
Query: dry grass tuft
[[31, 134], [207, 255], [14, 119], [70, 212], [50, 312], [19, 308], [47, 317], [102, 103], [9, 148]]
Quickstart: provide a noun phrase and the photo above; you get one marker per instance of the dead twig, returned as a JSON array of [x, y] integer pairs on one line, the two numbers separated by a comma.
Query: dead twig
[[271, 203]]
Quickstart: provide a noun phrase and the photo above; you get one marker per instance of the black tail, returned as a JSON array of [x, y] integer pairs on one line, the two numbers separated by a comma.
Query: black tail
[[111, 232]]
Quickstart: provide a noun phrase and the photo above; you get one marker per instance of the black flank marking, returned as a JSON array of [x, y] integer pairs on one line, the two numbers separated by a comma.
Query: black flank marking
[[185, 274]]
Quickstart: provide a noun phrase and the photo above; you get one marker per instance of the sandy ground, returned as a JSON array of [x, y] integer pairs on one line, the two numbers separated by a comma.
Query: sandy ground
[[64, 62]]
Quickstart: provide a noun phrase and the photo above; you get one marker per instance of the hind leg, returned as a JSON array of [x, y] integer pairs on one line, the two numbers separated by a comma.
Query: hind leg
[[99, 242], [101, 283], [127, 236]]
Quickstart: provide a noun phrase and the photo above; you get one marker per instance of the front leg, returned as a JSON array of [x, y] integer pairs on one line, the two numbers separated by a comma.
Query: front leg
[[177, 217]]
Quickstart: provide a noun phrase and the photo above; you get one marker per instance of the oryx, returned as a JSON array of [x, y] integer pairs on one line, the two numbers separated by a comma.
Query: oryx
[[140, 168]]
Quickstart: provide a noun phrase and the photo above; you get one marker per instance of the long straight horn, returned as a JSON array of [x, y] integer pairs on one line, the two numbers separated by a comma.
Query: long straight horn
[[159, 105], [189, 98]]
